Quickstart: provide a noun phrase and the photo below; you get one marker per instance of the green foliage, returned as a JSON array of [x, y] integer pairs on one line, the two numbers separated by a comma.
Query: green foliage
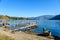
[[16, 18]]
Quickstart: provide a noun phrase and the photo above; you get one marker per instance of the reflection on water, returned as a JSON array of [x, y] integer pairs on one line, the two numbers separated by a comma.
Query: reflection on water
[[52, 25]]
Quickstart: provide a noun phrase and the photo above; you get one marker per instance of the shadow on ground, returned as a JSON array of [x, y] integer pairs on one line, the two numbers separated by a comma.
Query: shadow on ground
[[55, 37]]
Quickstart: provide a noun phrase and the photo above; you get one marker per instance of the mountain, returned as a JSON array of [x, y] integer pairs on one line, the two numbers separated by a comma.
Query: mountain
[[57, 17], [44, 17], [13, 18]]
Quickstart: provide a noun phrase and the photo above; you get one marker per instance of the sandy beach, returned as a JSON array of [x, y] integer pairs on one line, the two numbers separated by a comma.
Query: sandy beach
[[23, 36]]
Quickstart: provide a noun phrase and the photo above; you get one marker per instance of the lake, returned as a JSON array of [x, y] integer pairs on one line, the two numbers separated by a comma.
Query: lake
[[52, 25]]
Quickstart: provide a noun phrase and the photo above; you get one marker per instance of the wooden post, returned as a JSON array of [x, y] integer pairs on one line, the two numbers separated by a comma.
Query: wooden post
[[50, 33], [4, 25], [20, 23], [14, 26], [36, 21], [25, 22]]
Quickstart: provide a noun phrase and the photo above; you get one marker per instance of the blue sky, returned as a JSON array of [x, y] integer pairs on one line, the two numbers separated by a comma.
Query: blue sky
[[29, 8]]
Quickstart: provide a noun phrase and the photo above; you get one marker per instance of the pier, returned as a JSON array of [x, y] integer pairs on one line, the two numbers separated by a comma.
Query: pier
[[31, 26]]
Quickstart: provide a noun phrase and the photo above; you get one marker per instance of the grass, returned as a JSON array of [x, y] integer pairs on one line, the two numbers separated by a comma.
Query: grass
[[4, 37]]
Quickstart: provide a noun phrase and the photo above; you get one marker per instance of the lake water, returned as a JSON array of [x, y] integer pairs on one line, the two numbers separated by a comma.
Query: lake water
[[52, 25]]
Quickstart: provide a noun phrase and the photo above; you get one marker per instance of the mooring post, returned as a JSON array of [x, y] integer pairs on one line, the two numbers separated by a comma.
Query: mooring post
[[36, 22], [20, 23], [25, 22]]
